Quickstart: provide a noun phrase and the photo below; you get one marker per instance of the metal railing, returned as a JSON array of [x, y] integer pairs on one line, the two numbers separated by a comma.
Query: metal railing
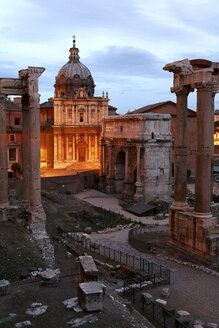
[[127, 259]]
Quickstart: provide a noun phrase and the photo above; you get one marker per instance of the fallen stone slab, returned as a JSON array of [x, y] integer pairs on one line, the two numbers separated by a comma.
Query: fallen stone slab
[[23, 324], [82, 321], [183, 316], [161, 302], [72, 303], [198, 326], [50, 277], [4, 287], [36, 309], [211, 325], [88, 269]]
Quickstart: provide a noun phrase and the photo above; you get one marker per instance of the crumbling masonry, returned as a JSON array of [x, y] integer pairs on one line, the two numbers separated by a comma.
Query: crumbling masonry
[[27, 87]]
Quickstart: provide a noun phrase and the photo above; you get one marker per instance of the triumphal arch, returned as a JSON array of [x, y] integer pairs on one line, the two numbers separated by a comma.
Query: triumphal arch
[[195, 229], [26, 85]]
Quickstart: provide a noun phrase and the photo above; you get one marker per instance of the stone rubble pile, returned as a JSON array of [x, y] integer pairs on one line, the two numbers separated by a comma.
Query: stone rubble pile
[[36, 309]]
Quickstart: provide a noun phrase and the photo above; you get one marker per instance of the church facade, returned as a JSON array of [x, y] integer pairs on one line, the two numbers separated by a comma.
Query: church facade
[[72, 135]]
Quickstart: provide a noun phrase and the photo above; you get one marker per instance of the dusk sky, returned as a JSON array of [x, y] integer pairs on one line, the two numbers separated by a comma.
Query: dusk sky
[[124, 43]]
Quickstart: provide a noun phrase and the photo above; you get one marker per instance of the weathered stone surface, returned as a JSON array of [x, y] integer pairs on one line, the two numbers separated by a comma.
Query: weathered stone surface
[[198, 326], [91, 295], [36, 309], [23, 324], [211, 325], [82, 321], [50, 277], [165, 293], [183, 315], [4, 287], [148, 298], [161, 302], [88, 269], [72, 303]]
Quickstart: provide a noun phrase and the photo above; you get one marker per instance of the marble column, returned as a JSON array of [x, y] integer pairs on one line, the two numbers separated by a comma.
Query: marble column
[[204, 154], [73, 147], [25, 151], [3, 160], [30, 99], [95, 148], [102, 182], [58, 147], [55, 148], [138, 197], [181, 143], [67, 148], [127, 193]]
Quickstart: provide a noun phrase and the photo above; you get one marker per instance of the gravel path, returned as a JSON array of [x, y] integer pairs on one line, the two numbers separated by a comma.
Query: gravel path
[[191, 289]]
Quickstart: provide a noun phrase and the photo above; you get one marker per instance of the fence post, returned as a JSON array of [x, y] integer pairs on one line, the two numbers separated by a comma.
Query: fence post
[[164, 318], [153, 311]]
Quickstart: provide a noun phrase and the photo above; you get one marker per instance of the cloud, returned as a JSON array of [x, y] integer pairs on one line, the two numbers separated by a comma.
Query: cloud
[[125, 61]]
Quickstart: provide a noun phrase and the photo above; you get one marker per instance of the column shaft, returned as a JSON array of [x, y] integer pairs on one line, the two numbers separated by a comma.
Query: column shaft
[[127, 163], [180, 169], [3, 154], [101, 156], [25, 151], [204, 150]]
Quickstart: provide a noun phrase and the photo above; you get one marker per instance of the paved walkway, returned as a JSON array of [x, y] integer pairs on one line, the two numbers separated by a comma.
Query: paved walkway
[[110, 202], [191, 290]]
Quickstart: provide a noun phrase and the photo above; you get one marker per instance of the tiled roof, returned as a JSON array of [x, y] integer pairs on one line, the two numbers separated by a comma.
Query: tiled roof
[[12, 107], [149, 108]]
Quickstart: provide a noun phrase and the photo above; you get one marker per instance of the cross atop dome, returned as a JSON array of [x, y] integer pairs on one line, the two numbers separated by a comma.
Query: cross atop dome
[[74, 52], [74, 37]]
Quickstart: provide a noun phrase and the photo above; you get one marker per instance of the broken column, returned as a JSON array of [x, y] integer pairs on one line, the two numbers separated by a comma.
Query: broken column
[[31, 152], [3, 160]]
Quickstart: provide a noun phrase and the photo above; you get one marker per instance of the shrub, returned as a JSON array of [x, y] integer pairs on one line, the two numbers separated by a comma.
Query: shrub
[[16, 168]]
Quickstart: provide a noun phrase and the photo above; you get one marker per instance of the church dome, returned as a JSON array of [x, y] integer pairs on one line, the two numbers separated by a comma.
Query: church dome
[[73, 76]]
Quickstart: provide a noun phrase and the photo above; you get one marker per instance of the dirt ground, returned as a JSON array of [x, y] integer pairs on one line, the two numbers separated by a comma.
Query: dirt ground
[[19, 256]]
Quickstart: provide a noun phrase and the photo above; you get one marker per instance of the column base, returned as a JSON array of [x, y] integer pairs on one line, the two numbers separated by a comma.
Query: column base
[[138, 197], [110, 187], [127, 192], [102, 183], [197, 234], [180, 206], [37, 214]]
